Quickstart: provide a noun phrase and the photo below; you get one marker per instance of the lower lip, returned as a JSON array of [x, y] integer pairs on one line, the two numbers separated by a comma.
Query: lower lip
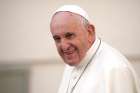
[[68, 54]]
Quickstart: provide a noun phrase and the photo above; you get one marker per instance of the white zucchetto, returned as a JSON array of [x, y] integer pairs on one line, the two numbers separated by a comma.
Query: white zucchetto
[[74, 9]]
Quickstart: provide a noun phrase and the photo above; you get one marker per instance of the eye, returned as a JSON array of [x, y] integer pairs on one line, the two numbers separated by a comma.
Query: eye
[[56, 38], [69, 35]]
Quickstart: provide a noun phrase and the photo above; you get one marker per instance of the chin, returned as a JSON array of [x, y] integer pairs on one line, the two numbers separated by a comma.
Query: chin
[[71, 62]]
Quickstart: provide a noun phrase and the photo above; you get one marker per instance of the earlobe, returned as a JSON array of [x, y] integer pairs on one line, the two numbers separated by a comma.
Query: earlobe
[[91, 33]]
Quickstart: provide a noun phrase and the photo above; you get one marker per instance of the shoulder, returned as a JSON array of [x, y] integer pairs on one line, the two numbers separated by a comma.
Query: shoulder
[[110, 59]]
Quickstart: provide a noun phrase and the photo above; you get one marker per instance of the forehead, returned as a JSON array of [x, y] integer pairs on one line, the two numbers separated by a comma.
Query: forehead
[[65, 20], [65, 17], [64, 14]]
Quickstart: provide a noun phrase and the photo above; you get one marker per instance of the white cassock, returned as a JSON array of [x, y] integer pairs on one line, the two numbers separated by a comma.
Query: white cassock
[[103, 70]]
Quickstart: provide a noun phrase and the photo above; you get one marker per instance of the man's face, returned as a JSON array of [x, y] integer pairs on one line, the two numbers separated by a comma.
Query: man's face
[[70, 36]]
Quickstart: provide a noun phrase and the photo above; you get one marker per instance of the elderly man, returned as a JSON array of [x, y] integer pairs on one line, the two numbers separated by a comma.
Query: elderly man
[[92, 66]]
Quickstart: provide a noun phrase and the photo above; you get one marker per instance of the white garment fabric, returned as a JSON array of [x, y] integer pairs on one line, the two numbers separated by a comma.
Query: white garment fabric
[[103, 70]]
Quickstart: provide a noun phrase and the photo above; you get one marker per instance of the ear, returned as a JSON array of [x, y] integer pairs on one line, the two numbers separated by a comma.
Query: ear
[[91, 33]]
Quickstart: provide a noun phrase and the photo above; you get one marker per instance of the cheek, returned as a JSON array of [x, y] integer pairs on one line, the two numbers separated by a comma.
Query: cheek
[[59, 50], [83, 43], [81, 47]]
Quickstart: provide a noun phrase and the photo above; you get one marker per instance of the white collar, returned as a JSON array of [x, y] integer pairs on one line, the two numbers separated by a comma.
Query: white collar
[[90, 53]]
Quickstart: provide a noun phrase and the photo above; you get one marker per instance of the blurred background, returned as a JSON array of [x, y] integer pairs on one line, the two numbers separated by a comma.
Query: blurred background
[[29, 62]]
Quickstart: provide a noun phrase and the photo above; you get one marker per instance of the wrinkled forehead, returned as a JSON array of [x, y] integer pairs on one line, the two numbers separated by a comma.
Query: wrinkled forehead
[[66, 14], [66, 21], [66, 17]]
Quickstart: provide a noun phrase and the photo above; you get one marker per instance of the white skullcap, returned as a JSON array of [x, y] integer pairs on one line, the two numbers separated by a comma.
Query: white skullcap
[[74, 9]]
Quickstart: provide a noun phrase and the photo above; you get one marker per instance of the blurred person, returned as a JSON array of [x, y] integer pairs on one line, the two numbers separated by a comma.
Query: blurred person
[[92, 66]]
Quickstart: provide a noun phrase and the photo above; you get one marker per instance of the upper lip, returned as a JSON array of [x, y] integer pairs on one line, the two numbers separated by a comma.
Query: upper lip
[[67, 52]]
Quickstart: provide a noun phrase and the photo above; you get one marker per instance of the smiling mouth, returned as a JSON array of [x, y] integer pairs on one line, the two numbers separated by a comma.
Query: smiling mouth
[[68, 52]]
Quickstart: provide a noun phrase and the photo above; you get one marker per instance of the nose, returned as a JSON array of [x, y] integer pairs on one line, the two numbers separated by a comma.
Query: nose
[[64, 45]]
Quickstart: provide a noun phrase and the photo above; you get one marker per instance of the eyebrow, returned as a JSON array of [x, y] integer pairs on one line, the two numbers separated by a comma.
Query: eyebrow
[[54, 36]]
